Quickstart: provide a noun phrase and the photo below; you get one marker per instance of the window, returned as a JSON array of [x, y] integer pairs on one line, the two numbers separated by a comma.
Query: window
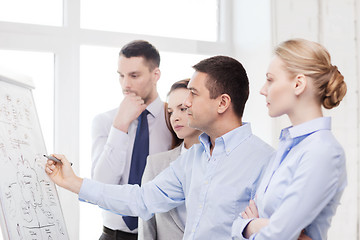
[[45, 12], [184, 19]]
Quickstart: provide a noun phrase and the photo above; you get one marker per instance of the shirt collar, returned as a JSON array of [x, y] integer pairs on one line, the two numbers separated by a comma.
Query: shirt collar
[[306, 128], [155, 107], [182, 148], [229, 140]]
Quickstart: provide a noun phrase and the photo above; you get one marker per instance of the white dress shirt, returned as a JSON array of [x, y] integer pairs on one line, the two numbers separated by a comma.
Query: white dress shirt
[[112, 151]]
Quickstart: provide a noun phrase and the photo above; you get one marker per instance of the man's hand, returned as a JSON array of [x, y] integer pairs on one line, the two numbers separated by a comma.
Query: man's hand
[[62, 174], [130, 108]]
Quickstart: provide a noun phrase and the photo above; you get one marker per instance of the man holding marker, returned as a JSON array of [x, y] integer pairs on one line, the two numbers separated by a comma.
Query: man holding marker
[[216, 179], [55, 159]]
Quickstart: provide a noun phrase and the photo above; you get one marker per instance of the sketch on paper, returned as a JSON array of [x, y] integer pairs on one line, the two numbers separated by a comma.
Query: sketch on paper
[[29, 201]]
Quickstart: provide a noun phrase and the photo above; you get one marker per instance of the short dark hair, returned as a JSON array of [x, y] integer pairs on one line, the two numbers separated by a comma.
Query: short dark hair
[[226, 75], [141, 48]]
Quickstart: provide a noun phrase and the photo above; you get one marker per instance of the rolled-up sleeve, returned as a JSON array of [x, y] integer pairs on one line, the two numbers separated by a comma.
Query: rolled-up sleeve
[[238, 228], [160, 195]]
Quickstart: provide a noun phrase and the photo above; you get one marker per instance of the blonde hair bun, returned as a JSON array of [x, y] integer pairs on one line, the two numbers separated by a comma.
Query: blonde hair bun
[[313, 60], [335, 89]]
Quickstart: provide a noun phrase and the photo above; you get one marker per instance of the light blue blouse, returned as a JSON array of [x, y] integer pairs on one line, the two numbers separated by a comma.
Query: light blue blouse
[[215, 187], [302, 186]]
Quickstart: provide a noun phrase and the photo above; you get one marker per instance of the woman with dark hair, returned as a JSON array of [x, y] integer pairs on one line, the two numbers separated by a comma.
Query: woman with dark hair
[[170, 225]]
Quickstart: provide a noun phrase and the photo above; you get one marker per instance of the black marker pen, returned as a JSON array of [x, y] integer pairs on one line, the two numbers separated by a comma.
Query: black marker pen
[[55, 159]]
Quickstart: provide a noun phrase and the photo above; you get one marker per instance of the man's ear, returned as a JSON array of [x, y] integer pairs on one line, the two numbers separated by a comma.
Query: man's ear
[[156, 74], [224, 103], [300, 84]]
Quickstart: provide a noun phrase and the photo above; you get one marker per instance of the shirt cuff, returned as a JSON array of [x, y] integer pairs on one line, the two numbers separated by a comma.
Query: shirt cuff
[[238, 228], [117, 138], [90, 191]]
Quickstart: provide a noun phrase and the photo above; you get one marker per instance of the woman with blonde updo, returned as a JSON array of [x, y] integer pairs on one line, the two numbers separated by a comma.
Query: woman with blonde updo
[[303, 184]]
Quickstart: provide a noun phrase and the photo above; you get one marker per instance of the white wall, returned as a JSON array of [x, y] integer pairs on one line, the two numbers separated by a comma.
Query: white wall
[[258, 26]]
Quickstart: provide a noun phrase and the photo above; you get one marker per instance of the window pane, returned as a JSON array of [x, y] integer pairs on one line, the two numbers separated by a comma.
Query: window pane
[[175, 67], [100, 91], [45, 12], [186, 19], [40, 67]]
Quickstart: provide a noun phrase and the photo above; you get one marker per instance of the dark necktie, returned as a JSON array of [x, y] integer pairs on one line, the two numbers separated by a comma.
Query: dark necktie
[[138, 159]]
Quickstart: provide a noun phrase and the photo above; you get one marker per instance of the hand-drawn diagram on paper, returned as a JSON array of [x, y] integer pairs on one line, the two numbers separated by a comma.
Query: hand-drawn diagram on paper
[[29, 200]]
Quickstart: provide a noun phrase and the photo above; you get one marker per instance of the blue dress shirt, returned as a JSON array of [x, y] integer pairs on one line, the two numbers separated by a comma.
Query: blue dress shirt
[[215, 187], [302, 187]]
